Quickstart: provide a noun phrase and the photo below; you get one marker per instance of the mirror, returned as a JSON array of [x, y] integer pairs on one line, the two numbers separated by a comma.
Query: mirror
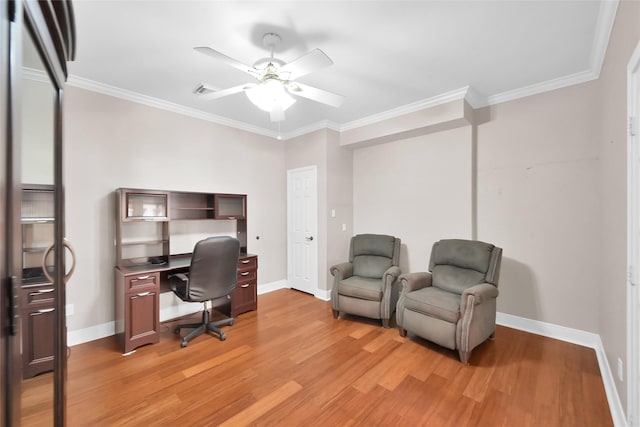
[[37, 304]]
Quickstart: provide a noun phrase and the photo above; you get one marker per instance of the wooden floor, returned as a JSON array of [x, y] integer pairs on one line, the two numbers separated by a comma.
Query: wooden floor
[[291, 363]]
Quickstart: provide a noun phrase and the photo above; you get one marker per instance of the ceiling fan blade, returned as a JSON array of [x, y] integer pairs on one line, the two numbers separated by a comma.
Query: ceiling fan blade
[[315, 94], [277, 113], [306, 64], [207, 92], [229, 61]]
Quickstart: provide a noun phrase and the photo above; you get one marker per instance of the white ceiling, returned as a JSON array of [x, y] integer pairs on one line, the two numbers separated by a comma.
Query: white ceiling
[[389, 57]]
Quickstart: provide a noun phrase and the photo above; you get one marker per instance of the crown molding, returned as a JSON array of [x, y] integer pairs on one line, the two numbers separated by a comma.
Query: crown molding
[[165, 105], [604, 27]]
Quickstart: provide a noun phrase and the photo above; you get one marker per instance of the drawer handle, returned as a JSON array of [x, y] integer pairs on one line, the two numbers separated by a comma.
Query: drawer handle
[[246, 261], [44, 310], [244, 273], [142, 277], [244, 286], [144, 294], [40, 292]]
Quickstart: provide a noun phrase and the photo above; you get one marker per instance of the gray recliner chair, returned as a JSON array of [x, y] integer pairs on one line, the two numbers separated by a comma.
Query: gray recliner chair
[[367, 284], [454, 304]]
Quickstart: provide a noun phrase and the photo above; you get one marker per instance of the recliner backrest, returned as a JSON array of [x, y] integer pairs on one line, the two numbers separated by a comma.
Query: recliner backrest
[[373, 254], [214, 267], [458, 264]]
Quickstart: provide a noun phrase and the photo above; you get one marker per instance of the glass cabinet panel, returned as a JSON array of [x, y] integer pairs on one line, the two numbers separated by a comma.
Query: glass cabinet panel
[[145, 206]]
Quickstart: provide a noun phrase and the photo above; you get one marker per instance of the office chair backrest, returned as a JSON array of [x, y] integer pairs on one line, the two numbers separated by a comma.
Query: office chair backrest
[[214, 267]]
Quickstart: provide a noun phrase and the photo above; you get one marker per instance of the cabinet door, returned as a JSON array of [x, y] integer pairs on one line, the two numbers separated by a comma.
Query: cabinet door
[[37, 341], [142, 319], [230, 206], [144, 206]]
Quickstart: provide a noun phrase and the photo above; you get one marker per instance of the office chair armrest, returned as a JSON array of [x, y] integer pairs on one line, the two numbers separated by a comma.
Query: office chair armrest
[[413, 281], [179, 276], [342, 271]]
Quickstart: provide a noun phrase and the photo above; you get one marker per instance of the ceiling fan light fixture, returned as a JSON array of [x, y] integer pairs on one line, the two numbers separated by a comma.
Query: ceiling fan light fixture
[[269, 94]]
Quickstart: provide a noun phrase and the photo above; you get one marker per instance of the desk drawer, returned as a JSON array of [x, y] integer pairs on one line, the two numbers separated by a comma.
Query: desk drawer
[[36, 294], [248, 275], [141, 281], [248, 263]]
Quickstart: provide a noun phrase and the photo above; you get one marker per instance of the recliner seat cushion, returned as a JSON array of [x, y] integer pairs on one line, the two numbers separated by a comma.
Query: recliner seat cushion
[[455, 279], [361, 287], [434, 302]]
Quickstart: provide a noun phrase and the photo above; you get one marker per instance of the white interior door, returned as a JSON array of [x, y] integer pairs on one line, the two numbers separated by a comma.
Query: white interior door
[[302, 226], [633, 251]]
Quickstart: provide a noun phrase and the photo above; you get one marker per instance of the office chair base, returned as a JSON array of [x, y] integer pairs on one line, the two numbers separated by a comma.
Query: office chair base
[[205, 326]]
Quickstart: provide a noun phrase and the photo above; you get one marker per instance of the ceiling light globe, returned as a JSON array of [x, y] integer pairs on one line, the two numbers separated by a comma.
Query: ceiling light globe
[[268, 94]]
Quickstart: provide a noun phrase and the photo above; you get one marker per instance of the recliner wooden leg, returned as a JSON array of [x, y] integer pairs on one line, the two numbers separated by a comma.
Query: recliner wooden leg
[[385, 323], [403, 332], [336, 313], [464, 356]]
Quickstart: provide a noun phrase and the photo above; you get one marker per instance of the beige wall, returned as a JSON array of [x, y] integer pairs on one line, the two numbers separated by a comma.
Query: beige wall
[[613, 186], [538, 197], [111, 143], [418, 189]]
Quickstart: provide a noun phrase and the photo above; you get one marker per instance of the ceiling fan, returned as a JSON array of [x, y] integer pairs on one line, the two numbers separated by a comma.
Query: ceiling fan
[[275, 79]]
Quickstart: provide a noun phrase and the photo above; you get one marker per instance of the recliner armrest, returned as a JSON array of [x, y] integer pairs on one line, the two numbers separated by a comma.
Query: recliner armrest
[[393, 271], [480, 293], [342, 270], [413, 281]]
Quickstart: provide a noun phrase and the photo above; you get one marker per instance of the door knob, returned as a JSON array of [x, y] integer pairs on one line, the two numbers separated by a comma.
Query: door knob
[[310, 238]]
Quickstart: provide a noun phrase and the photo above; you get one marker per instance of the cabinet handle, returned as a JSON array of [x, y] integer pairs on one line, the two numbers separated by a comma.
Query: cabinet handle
[[44, 310], [41, 291], [142, 277], [245, 261], [231, 217], [144, 294], [245, 286], [244, 273]]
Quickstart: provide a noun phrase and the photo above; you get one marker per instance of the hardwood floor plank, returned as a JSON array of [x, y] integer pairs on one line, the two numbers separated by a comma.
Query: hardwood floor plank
[[291, 363]]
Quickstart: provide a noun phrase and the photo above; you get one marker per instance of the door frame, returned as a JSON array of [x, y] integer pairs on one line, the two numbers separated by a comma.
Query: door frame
[[633, 237], [290, 248]]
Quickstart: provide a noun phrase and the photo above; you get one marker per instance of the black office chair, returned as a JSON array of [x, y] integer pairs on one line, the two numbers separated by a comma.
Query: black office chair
[[212, 277]]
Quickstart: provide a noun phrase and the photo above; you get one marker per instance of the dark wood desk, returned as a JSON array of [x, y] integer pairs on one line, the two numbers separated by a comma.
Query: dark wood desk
[[138, 291]]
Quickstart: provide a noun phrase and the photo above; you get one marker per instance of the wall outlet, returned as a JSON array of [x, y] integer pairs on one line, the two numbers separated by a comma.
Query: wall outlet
[[620, 370], [69, 309], [344, 227]]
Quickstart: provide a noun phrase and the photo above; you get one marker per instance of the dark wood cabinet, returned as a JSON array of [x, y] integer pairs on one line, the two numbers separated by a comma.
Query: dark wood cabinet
[[37, 313], [137, 309], [245, 297]]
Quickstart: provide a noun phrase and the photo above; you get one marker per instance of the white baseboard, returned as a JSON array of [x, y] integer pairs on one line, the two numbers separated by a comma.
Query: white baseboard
[[324, 295], [91, 333], [272, 286], [575, 336]]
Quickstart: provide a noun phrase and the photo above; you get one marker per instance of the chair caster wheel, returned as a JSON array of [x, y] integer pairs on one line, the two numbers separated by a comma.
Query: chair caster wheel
[[183, 344], [231, 322], [176, 331], [223, 337]]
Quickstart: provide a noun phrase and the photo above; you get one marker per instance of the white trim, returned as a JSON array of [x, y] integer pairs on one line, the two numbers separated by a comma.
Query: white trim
[[323, 294], [450, 96], [91, 333], [139, 98], [273, 286], [633, 264], [575, 336], [604, 27]]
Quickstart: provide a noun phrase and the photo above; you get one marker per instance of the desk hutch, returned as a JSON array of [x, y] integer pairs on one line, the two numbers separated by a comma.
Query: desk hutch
[[145, 258]]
